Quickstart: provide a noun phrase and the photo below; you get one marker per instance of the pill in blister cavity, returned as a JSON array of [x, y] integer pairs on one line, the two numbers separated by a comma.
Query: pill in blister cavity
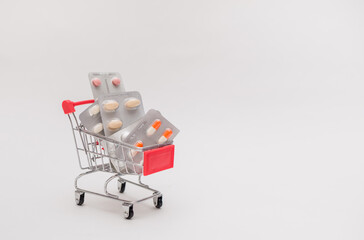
[[91, 117], [132, 103], [134, 152], [110, 111], [96, 82], [97, 128], [116, 81], [114, 124], [139, 133], [167, 134], [105, 83], [94, 110], [110, 105], [154, 127]]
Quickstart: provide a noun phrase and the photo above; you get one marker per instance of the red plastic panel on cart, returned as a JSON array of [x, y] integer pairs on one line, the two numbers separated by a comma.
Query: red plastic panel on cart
[[159, 159]]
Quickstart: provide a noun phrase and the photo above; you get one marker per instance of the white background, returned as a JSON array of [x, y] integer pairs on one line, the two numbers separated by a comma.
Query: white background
[[268, 96]]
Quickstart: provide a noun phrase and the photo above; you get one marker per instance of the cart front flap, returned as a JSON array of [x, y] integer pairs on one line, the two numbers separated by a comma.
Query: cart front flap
[[158, 159]]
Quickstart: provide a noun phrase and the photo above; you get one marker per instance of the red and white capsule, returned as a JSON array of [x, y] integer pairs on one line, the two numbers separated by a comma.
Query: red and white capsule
[[134, 152], [154, 127], [166, 135]]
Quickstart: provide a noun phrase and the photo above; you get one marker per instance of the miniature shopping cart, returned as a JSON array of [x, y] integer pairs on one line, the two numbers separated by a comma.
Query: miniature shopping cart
[[96, 154]]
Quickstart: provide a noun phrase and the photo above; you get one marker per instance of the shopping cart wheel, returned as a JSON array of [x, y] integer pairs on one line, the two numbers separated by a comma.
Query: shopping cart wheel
[[79, 197], [128, 210], [158, 201], [121, 186]]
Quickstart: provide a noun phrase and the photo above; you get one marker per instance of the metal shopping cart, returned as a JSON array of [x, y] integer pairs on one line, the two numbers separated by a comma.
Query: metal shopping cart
[[96, 154]]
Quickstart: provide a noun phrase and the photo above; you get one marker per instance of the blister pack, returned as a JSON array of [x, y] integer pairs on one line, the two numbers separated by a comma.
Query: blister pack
[[152, 129], [105, 83], [118, 111], [91, 119], [122, 134], [117, 151]]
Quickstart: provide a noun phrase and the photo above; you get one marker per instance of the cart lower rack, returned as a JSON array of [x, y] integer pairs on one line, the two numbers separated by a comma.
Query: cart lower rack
[[96, 153]]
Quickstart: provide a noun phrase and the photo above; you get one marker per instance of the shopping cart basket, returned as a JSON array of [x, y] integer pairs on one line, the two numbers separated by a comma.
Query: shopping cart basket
[[96, 153]]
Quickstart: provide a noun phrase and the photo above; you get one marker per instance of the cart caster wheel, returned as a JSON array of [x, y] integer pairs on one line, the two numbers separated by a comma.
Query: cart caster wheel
[[121, 186], [158, 201], [128, 211], [79, 197]]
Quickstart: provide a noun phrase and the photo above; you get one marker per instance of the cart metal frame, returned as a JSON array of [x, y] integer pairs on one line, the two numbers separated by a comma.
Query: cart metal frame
[[94, 148]]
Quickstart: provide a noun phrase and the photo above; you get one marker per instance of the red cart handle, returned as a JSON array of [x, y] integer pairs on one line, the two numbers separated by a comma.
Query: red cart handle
[[69, 106]]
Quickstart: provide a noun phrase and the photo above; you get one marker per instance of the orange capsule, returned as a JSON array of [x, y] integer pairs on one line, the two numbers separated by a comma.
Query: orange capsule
[[167, 134], [139, 144], [134, 152], [154, 127]]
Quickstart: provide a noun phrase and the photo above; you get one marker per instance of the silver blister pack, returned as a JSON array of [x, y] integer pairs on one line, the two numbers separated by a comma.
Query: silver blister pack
[[118, 111], [91, 119], [152, 129], [105, 83], [117, 151]]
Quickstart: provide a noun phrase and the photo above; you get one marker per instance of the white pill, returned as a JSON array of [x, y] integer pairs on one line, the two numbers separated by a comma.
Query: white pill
[[98, 128], [94, 110]]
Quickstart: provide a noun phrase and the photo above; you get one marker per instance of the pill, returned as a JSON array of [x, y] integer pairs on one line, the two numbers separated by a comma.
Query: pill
[[94, 110], [97, 128], [114, 124], [116, 81], [110, 105], [167, 134], [131, 103], [154, 127], [96, 82], [134, 152]]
